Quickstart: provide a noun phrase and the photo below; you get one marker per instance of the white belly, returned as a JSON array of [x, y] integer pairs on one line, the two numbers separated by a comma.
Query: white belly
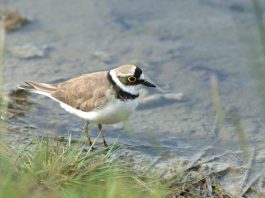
[[114, 112]]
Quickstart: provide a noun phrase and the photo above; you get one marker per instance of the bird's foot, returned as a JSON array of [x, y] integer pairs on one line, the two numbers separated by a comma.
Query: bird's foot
[[105, 143]]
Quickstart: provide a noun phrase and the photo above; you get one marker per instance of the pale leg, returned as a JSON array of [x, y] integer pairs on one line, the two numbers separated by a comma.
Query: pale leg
[[101, 132], [86, 133]]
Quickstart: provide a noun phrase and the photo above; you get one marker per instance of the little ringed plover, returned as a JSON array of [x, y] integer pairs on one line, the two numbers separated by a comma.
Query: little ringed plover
[[104, 97]]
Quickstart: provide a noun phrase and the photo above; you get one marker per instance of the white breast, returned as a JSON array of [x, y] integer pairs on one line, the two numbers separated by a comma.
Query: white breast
[[115, 111]]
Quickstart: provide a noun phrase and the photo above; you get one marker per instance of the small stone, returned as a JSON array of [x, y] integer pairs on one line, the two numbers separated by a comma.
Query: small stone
[[28, 51], [147, 99], [174, 96], [151, 98]]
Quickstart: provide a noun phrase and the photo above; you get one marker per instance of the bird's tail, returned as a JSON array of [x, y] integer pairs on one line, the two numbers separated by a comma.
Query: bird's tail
[[39, 88]]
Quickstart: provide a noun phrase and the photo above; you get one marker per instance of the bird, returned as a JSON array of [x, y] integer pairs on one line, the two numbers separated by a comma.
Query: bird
[[103, 97]]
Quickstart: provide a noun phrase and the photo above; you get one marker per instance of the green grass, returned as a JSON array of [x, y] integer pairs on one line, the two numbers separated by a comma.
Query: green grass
[[48, 168], [58, 169]]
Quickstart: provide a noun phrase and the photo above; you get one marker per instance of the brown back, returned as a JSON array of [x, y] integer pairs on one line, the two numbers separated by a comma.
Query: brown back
[[86, 92]]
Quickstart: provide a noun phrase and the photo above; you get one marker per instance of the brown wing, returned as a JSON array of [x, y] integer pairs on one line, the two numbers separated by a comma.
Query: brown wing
[[86, 92]]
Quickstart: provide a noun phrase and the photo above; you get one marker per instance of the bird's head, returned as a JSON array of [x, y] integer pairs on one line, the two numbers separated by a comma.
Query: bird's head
[[129, 77]]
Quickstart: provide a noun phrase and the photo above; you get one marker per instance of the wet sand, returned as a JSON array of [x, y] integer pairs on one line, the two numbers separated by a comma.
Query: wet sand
[[180, 45]]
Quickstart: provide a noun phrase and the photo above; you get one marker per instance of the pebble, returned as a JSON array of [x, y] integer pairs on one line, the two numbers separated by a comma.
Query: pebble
[[147, 99], [28, 51]]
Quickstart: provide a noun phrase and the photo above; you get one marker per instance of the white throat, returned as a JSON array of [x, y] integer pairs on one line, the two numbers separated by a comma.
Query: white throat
[[130, 89]]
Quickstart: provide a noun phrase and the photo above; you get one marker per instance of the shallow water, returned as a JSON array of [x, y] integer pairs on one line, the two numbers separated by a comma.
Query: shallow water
[[179, 44]]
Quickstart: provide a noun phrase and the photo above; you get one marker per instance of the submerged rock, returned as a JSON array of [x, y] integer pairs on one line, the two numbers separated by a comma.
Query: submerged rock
[[29, 51]]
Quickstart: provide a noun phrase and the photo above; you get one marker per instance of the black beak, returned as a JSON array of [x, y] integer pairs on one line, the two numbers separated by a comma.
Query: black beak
[[147, 84]]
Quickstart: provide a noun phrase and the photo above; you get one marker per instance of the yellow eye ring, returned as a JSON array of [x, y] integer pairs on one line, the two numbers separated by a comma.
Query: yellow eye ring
[[131, 79]]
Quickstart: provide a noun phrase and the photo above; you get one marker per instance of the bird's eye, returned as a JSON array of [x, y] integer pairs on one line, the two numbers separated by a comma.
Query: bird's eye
[[131, 79]]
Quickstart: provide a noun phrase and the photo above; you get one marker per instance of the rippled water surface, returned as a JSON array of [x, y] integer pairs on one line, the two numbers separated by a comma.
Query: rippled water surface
[[179, 44]]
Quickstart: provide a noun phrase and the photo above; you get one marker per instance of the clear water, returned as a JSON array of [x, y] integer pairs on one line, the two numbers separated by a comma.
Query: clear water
[[179, 44]]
